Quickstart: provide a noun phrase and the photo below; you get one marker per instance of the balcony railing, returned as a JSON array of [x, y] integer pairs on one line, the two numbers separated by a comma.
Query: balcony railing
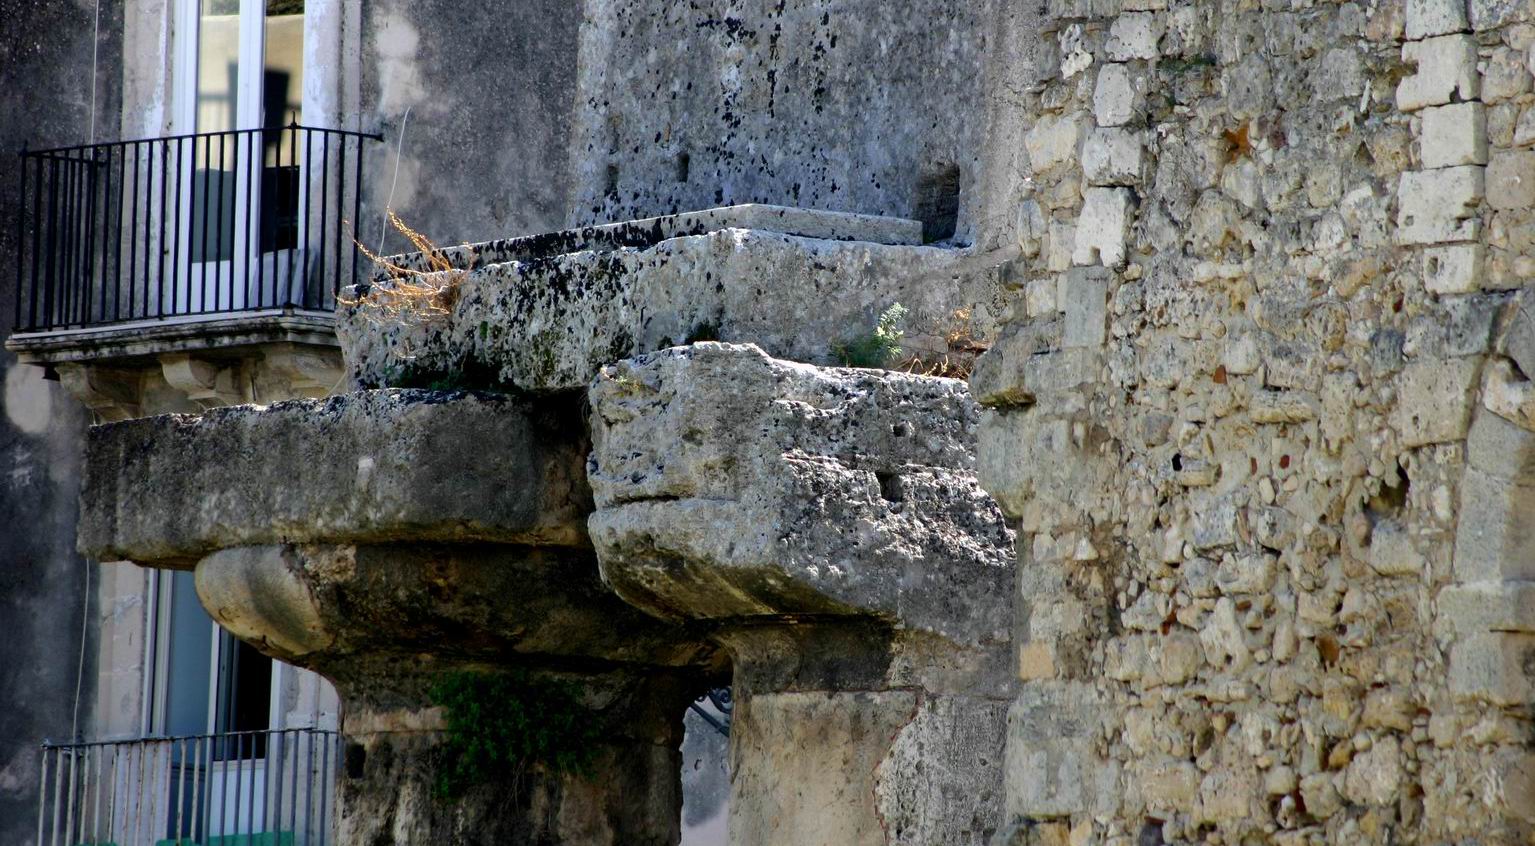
[[206, 224], [261, 788]]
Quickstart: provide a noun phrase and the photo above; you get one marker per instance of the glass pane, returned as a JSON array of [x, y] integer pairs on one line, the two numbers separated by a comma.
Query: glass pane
[[282, 92], [218, 64], [187, 659], [282, 80]]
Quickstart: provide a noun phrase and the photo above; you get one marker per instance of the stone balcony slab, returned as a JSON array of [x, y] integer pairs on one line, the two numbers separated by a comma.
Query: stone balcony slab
[[368, 467], [537, 321]]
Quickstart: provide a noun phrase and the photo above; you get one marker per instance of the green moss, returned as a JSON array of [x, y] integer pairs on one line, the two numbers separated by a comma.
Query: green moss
[[499, 724]]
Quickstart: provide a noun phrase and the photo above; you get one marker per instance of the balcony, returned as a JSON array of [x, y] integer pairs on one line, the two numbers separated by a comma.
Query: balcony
[[186, 272], [255, 788]]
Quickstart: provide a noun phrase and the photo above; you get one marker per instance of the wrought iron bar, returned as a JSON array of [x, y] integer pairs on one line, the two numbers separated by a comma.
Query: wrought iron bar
[[244, 787], [226, 231]]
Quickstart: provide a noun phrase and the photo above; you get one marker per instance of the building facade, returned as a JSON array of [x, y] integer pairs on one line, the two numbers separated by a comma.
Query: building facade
[[1239, 289]]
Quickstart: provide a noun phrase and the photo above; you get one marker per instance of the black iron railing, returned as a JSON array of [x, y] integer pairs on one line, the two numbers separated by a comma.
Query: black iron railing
[[261, 788], [211, 223]]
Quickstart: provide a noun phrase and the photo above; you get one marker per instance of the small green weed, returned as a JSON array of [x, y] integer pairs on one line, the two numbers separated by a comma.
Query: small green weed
[[879, 347], [499, 724]]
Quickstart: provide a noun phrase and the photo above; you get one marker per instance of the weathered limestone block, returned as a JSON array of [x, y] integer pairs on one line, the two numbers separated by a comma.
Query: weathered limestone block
[[827, 522], [1454, 135], [550, 323], [1506, 606], [383, 621], [1112, 157], [372, 466], [1053, 770], [1446, 71], [1455, 269], [1495, 538], [1054, 140], [1103, 227], [1440, 205], [1518, 340], [385, 538], [1435, 17], [1133, 35], [639, 234], [1496, 667], [1114, 96], [1435, 400], [1511, 179], [1507, 395]]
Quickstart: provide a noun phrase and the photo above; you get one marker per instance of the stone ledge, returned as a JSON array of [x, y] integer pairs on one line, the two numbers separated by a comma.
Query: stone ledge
[[647, 232], [366, 467], [730, 485], [146, 339], [550, 324]]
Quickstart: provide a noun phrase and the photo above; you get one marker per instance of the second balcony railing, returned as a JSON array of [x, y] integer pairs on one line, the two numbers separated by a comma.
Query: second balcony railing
[[254, 788], [190, 225]]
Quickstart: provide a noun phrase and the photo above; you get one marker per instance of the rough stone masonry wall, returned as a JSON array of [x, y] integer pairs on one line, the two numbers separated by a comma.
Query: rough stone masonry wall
[[1262, 418]]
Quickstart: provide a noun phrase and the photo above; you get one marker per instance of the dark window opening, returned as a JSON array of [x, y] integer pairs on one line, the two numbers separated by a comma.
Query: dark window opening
[[937, 203], [245, 698], [683, 163]]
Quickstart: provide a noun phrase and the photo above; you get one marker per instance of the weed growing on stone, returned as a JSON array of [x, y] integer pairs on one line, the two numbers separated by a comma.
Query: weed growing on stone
[[879, 347], [410, 292], [499, 724], [964, 346]]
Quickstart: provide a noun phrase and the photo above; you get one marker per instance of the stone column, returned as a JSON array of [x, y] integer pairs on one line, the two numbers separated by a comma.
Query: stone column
[[389, 540], [827, 523]]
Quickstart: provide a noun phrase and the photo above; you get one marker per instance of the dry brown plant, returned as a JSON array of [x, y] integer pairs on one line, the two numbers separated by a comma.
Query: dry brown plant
[[964, 347], [409, 292]]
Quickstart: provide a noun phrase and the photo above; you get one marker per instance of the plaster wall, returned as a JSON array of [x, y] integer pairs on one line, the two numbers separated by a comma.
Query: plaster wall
[[840, 106], [477, 100], [45, 74]]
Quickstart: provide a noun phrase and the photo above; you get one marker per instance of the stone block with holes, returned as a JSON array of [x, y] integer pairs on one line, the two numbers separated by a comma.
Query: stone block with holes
[[1439, 206], [1453, 269], [1444, 72], [827, 526]]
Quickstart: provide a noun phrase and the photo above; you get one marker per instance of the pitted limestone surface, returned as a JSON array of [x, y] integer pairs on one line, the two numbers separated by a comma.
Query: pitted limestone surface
[[828, 523], [371, 466], [688, 105], [551, 323], [639, 234], [732, 485]]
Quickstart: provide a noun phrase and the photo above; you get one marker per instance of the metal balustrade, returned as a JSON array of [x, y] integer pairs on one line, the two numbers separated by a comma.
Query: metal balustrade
[[255, 788], [206, 224]]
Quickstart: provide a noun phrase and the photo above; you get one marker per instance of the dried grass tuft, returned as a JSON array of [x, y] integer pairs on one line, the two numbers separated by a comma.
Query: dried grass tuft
[[964, 347], [408, 292]]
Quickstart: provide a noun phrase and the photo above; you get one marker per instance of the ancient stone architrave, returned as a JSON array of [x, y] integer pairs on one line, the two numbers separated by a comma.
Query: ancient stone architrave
[[386, 538], [549, 322], [828, 525], [818, 531]]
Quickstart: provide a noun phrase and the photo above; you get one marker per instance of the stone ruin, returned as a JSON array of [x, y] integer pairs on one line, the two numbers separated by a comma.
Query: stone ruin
[[629, 512], [1257, 408]]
